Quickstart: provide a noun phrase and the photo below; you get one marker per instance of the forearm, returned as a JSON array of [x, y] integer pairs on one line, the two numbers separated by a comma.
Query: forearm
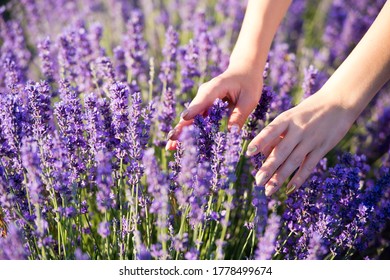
[[366, 69], [262, 19]]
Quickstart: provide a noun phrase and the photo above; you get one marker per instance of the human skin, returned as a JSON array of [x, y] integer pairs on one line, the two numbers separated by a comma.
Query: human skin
[[298, 138], [317, 124], [242, 82]]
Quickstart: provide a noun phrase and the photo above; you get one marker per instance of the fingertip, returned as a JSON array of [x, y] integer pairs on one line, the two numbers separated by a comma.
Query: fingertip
[[184, 115], [234, 127], [271, 188], [171, 133], [174, 145], [291, 188], [171, 145], [252, 150], [168, 145], [261, 177], [235, 121]]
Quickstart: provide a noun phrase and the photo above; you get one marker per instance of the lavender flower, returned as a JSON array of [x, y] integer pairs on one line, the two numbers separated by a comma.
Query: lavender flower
[[95, 35], [96, 137], [283, 77], [79, 255], [189, 66], [95, 178], [188, 170], [168, 66], [31, 162], [208, 127], [232, 155], [159, 189], [136, 46], [69, 117], [251, 128], [104, 229], [309, 82], [105, 196], [120, 64], [67, 56], [12, 247], [316, 250], [120, 117], [217, 164], [167, 75], [47, 62], [266, 245], [260, 203], [40, 109]]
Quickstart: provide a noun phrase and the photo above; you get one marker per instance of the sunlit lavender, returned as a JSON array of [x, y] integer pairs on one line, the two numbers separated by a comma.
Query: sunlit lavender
[[88, 93]]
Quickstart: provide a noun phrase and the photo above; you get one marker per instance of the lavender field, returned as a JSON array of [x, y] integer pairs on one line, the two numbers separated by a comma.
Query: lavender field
[[88, 93]]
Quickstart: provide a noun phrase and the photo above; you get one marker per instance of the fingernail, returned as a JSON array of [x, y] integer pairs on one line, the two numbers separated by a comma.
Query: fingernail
[[170, 133], [260, 179], [270, 189], [251, 150], [235, 128], [184, 114], [167, 146], [291, 189]]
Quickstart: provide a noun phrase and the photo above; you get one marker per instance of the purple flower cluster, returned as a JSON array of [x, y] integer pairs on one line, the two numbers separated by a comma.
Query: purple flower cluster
[[83, 121]]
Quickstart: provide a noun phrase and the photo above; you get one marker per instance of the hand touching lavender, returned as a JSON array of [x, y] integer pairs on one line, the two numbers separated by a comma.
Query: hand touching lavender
[[239, 87], [242, 82], [301, 136]]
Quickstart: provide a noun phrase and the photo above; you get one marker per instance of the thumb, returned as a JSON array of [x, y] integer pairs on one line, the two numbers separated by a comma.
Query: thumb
[[244, 107], [204, 99]]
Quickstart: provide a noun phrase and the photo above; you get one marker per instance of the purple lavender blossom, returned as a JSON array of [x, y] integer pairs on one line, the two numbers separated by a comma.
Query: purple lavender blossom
[[266, 245], [158, 189], [67, 56], [258, 116], [167, 76], [189, 66], [232, 155], [175, 167], [104, 229], [283, 77], [217, 163], [136, 124], [69, 117], [40, 109], [31, 162], [120, 117], [259, 201], [136, 46], [47, 61], [79, 255], [105, 196], [107, 123], [188, 164], [168, 66], [94, 124], [95, 36], [316, 250], [309, 81], [208, 127], [120, 64], [192, 254], [12, 247]]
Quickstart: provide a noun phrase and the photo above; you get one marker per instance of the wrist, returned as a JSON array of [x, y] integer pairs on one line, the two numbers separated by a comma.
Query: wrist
[[246, 67], [339, 101]]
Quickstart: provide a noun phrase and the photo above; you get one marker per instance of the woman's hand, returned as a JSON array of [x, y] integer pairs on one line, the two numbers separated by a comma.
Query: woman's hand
[[240, 86], [301, 136], [298, 139], [242, 82]]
